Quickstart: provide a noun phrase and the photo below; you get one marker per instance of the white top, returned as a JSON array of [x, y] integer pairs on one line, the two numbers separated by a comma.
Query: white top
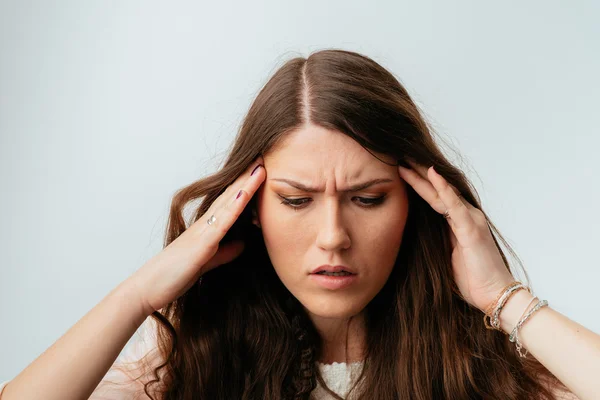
[[339, 377]]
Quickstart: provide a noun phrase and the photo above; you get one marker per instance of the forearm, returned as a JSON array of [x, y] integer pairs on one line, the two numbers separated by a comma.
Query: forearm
[[567, 349], [74, 365]]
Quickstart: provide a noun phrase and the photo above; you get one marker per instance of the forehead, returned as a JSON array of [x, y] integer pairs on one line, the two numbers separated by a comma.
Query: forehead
[[317, 149]]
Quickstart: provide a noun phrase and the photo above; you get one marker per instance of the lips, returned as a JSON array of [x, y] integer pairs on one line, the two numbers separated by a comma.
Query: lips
[[333, 268]]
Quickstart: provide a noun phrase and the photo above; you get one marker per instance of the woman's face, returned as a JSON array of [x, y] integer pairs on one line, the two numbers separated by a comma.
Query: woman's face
[[331, 226]]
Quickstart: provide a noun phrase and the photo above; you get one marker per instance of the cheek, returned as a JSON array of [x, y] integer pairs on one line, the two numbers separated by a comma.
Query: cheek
[[383, 227], [386, 234], [282, 234], [382, 236]]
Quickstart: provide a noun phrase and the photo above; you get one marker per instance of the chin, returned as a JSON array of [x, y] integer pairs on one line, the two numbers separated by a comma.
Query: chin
[[332, 309]]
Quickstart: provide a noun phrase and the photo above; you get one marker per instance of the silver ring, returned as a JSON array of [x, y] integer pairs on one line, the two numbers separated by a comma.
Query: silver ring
[[211, 220]]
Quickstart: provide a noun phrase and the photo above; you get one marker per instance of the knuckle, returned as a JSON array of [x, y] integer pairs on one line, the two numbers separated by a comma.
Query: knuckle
[[222, 229], [479, 217], [217, 226], [240, 194], [226, 218], [229, 190], [214, 205]]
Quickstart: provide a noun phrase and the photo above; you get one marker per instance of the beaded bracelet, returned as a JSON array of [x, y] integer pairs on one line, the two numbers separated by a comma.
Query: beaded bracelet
[[521, 318], [514, 335], [495, 320], [489, 312], [493, 312]]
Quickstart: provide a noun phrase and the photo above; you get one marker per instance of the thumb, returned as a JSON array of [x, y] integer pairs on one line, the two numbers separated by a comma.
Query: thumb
[[227, 252]]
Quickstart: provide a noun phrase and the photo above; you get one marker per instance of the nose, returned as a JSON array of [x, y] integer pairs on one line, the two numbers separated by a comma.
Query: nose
[[332, 233]]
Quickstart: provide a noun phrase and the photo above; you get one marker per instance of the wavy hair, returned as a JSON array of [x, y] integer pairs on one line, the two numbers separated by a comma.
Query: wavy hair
[[240, 334]]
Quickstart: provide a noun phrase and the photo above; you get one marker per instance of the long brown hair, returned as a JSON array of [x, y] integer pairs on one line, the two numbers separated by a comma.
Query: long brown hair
[[240, 334]]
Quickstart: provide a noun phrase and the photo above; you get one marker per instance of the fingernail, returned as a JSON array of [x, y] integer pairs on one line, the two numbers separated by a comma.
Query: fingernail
[[255, 168], [238, 195]]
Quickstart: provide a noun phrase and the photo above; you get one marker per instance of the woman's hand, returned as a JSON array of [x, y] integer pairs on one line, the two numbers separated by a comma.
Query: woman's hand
[[478, 267], [170, 273]]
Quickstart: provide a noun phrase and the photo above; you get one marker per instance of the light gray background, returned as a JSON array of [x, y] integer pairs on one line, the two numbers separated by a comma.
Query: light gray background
[[107, 108]]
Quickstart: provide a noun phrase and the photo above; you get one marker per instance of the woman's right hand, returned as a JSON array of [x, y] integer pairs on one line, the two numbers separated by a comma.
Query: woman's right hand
[[170, 273]]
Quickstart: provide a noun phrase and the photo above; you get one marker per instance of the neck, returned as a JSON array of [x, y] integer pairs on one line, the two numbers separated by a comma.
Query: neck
[[343, 340]]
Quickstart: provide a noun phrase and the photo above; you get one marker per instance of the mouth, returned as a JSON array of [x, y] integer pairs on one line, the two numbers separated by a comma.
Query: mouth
[[333, 280], [341, 273], [333, 270]]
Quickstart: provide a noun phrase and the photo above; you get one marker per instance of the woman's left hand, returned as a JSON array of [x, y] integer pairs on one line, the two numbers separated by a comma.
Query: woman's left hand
[[477, 264]]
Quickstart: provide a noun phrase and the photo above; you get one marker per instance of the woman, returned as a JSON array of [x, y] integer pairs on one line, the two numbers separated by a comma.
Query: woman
[[327, 240]]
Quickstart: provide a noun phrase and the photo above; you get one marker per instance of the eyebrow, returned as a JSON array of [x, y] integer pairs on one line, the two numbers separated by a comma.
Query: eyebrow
[[353, 188]]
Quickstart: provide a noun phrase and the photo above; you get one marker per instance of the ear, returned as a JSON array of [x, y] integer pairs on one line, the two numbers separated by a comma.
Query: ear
[[255, 220]]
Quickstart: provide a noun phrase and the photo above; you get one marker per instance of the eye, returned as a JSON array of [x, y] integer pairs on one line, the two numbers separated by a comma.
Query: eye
[[371, 201], [293, 203], [365, 202]]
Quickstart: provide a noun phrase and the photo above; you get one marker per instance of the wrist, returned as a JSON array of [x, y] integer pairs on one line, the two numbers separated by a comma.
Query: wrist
[[514, 309], [129, 292]]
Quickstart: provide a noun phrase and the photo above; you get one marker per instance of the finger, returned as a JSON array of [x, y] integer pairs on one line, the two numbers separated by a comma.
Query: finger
[[423, 187], [236, 185], [454, 205], [226, 253], [422, 170], [231, 191], [225, 217]]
